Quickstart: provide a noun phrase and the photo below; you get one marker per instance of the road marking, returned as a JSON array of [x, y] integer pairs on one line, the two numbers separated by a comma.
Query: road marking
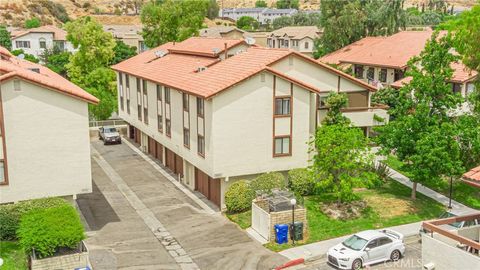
[[173, 247], [174, 181]]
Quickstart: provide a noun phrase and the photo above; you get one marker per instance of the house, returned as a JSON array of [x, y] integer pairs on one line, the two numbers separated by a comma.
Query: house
[[298, 38], [45, 147], [462, 244], [129, 34], [231, 32], [34, 41], [382, 61], [262, 15], [218, 110]]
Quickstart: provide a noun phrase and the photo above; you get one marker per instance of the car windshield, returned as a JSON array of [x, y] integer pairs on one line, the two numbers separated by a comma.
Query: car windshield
[[109, 130], [448, 215], [354, 242]]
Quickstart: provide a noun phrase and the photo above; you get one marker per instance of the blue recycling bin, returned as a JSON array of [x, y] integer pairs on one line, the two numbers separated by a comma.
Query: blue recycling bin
[[281, 233]]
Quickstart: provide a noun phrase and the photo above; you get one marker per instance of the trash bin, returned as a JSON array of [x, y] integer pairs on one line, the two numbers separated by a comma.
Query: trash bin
[[281, 233], [296, 231]]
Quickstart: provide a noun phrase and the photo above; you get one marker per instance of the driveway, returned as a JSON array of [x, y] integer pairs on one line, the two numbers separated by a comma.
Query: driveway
[[131, 199]]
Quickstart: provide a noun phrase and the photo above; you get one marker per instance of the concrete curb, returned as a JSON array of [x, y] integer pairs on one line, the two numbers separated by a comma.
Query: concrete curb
[[290, 264]]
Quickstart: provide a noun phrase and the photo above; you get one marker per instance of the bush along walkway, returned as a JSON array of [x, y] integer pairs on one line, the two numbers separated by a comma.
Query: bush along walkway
[[397, 176]]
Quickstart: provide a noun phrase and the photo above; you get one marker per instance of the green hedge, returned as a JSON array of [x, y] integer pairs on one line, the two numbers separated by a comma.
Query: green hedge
[[47, 230], [11, 214], [238, 197], [301, 181], [266, 182]]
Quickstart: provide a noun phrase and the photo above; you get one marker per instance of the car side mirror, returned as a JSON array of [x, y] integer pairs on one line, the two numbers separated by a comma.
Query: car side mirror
[[367, 249]]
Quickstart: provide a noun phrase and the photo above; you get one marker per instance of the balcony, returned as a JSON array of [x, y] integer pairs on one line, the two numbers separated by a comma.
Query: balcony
[[367, 116]]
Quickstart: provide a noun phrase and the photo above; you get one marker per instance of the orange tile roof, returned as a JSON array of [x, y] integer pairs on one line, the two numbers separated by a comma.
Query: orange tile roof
[[473, 176], [204, 45], [393, 51], [58, 34], [179, 70], [461, 74], [14, 67]]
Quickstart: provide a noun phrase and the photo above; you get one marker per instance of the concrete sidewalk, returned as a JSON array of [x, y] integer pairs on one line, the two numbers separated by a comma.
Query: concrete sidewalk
[[319, 249]]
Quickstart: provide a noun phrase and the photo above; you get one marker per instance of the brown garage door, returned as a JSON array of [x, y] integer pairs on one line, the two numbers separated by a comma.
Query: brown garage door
[[207, 186], [152, 149], [137, 135], [159, 152], [178, 165], [170, 159]]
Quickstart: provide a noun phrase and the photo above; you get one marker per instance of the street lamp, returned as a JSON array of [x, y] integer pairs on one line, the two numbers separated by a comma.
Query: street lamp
[[450, 197], [293, 202]]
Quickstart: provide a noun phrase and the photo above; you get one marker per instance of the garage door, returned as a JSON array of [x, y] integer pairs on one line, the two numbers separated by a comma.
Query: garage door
[[170, 159], [178, 165], [159, 152], [209, 187], [152, 149]]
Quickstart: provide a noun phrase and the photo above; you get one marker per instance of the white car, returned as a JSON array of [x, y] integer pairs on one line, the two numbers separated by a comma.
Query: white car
[[366, 248]]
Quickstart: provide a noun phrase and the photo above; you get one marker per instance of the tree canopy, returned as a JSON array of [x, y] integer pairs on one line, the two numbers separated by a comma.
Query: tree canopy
[[247, 23], [122, 52], [260, 4], [32, 23], [172, 20], [335, 102], [287, 4], [5, 40]]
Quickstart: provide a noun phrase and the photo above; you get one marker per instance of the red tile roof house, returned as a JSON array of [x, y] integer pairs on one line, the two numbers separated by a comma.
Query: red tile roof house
[[383, 60], [218, 110], [45, 150]]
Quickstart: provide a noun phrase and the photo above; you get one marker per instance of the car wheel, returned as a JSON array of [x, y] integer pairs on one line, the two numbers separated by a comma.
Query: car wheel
[[395, 256], [357, 264]]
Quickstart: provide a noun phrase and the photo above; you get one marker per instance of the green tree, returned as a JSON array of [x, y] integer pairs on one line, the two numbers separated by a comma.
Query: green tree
[[247, 23], [89, 66], [282, 21], [212, 9], [387, 96], [423, 130], [56, 60], [260, 4], [5, 40], [335, 103], [123, 52], [341, 160], [26, 56], [32, 23], [281, 4], [172, 20]]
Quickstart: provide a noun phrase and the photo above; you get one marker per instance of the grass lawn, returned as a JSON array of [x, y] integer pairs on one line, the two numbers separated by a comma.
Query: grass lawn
[[244, 219], [13, 256], [462, 192]]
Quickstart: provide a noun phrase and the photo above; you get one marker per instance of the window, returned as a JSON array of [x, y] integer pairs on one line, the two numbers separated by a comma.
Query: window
[[286, 43], [399, 74], [470, 88], [306, 45], [43, 43], [186, 137], [200, 107], [2, 171], [59, 45], [186, 103], [139, 100], [127, 83], [145, 101], [168, 127], [201, 145], [16, 85], [322, 102], [160, 122], [282, 146], [159, 109], [359, 71], [167, 95], [373, 244], [282, 106], [22, 44], [384, 240], [456, 88], [120, 89], [370, 73], [383, 75]]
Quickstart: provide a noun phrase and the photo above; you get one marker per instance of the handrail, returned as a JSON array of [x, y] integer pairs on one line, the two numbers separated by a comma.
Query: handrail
[[113, 122]]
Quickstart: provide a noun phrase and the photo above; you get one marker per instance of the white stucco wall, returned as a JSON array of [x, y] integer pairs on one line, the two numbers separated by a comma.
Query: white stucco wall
[[34, 39], [434, 251], [48, 147]]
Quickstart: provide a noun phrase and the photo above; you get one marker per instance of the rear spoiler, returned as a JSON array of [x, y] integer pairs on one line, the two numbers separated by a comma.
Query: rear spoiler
[[392, 234]]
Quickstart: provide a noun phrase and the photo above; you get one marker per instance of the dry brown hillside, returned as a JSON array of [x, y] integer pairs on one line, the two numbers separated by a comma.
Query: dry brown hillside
[[15, 12]]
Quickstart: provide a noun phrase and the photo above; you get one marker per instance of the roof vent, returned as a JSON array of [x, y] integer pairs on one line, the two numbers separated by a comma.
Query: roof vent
[[37, 70], [160, 53], [250, 41], [216, 51], [200, 69]]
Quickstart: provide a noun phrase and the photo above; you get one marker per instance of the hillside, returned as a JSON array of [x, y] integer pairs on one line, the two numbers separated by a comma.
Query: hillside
[[15, 12]]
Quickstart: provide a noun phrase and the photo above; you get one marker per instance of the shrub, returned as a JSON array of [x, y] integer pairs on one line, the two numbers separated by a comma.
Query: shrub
[[267, 182], [11, 214], [32, 23], [239, 196], [47, 230], [301, 181]]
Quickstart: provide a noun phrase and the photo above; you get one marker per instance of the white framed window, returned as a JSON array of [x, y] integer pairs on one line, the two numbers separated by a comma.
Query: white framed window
[[282, 146], [22, 44], [282, 106]]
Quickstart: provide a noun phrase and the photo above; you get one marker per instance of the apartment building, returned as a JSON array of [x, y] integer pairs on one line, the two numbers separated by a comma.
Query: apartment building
[[298, 38], [217, 110], [34, 41], [45, 148], [231, 32], [382, 61], [128, 34], [262, 15]]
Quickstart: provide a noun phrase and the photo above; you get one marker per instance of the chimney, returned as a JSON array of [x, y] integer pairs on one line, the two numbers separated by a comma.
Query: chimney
[[226, 51]]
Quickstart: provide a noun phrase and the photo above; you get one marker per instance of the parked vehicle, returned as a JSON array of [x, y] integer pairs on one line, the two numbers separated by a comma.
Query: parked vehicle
[[367, 248], [109, 135]]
